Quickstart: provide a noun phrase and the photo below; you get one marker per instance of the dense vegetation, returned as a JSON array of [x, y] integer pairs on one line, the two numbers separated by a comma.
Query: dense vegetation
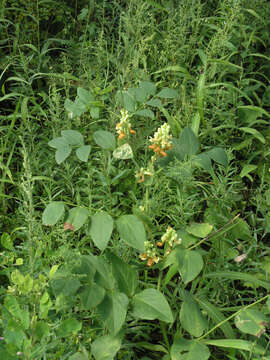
[[135, 179]]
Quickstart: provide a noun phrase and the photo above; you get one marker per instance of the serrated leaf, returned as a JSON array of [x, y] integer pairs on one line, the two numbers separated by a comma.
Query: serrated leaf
[[145, 113], [77, 217], [72, 137], [83, 152], [167, 93], [101, 229], [105, 139], [123, 152], [53, 213], [62, 153], [200, 230], [151, 304], [132, 231]]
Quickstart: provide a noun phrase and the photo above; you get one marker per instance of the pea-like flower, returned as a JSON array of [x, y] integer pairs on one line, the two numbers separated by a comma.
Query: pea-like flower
[[161, 140], [150, 254], [144, 174], [123, 128], [170, 237]]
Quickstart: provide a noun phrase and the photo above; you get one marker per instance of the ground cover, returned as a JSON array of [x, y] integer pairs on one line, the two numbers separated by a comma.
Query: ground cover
[[134, 180]]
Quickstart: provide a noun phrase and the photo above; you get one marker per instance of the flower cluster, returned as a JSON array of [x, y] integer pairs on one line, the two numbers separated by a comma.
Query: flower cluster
[[150, 254], [144, 174], [161, 140], [170, 238], [123, 128]]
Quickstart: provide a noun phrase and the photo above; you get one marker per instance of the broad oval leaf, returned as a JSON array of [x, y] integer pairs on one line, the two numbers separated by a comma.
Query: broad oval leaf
[[167, 93], [149, 87], [145, 113], [105, 139], [101, 229], [151, 304], [200, 230], [132, 231], [69, 327], [123, 152], [251, 321], [191, 317], [91, 296], [74, 109], [58, 143], [77, 217], [190, 264], [83, 152], [53, 213], [73, 137], [106, 347], [62, 153], [219, 155], [183, 349]]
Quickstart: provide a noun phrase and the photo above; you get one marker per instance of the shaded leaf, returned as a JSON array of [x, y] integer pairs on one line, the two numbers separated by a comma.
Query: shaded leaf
[[91, 296], [132, 231], [105, 139], [151, 304], [69, 327], [189, 350], [167, 93], [53, 213], [106, 347]]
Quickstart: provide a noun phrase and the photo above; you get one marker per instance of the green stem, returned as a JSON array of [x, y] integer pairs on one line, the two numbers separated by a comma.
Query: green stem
[[164, 333]]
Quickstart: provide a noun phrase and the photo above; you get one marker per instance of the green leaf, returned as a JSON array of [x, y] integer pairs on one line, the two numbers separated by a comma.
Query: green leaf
[[6, 241], [125, 275], [200, 230], [149, 87], [145, 113], [123, 152], [101, 229], [190, 264], [72, 137], [167, 93], [69, 327], [91, 296], [41, 330], [85, 96], [85, 265], [127, 100], [187, 144], [217, 316], [151, 304], [62, 153], [139, 94], [13, 333], [83, 152], [74, 109], [106, 347], [241, 230], [246, 169], [103, 275], [53, 213], [62, 283], [79, 355], [13, 307], [203, 160], [189, 350], [105, 139], [94, 112], [77, 217], [155, 103], [219, 155], [191, 317], [132, 231], [237, 344], [251, 321], [58, 143], [113, 310], [253, 132]]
